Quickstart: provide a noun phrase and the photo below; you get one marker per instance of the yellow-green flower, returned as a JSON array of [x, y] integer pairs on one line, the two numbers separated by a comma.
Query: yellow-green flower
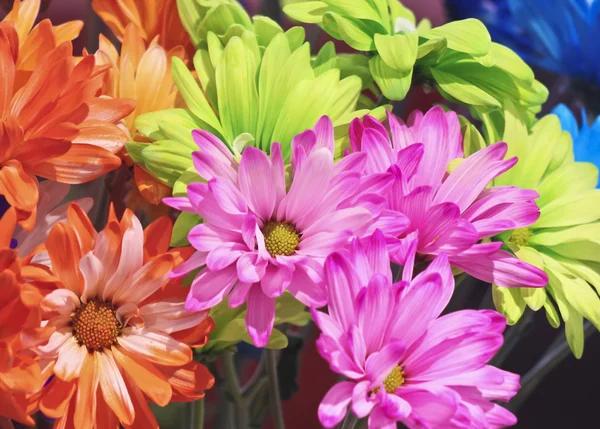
[[565, 241], [459, 58]]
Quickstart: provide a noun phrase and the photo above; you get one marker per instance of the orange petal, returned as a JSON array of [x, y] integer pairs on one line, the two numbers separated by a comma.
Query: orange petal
[[23, 15], [114, 389], [105, 418], [157, 237], [11, 136], [189, 380], [13, 406], [150, 188], [65, 253], [145, 375], [196, 336], [7, 71], [21, 191], [67, 31], [144, 418], [56, 396], [37, 150], [86, 232], [36, 45], [85, 400], [110, 109], [102, 134], [7, 227], [81, 164]]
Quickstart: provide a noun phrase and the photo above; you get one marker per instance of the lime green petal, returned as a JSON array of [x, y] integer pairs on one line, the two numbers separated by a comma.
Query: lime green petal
[[551, 314], [295, 37], [204, 66], [469, 36], [183, 224], [588, 250], [432, 48], [219, 19], [398, 10], [190, 15], [574, 333], [508, 60], [509, 303], [134, 150], [277, 340], [398, 51], [188, 176], [464, 91], [588, 271], [393, 84], [535, 298], [147, 124], [472, 139], [192, 94], [563, 152], [236, 86], [265, 29], [583, 207], [357, 34], [571, 178], [325, 59], [553, 237], [166, 160], [310, 12]]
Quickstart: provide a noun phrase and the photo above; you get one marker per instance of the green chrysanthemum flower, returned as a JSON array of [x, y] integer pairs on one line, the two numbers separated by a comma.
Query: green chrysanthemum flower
[[256, 84], [459, 58], [565, 241]]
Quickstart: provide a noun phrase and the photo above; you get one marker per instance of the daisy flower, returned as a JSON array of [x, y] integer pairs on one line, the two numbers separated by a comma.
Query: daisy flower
[[122, 333], [565, 240], [405, 363], [260, 238], [20, 318], [447, 199], [52, 123]]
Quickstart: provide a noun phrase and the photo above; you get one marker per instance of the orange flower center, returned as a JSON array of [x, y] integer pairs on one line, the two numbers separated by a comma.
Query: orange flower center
[[95, 325], [281, 238]]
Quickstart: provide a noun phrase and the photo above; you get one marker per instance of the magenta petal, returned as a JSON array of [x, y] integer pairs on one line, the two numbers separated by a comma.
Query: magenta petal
[[377, 255], [440, 218], [356, 131], [332, 409], [206, 237], [378, 419], [250, 268], [362, 404], [260, 316], [278, 172], [501, 268], [408, 159], [224, 255], [228, 196], [395, 407], [342, 289], [239, 294], [376, 304], [208, 167], [401, 135], [194, 262], [307, 289], [441, 266], [211, 145], [179, 203], [358, 348], [276, 279], [379, 151], [380, 364], [430, 408], [249, 231], [492, 382], [500, 417], [323, 130], [256, 182], [210, 288]]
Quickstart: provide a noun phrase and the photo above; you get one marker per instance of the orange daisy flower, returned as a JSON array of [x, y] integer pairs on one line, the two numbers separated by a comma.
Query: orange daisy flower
[[154, 18], [141, 72], [53, 123], [122, 333], [20, 329]]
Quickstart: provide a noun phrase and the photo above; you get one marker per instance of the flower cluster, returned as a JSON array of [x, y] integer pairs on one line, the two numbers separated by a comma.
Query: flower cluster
[[254, 187]]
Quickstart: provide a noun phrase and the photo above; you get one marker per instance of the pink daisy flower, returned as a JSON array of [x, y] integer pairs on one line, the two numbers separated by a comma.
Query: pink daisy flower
[[260, 238], [403, 362], [449, 212]]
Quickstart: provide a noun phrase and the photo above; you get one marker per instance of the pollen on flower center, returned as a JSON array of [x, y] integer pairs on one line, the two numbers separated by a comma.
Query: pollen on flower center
[[520, 237], [281, 238], [394, 380], [95, 325]]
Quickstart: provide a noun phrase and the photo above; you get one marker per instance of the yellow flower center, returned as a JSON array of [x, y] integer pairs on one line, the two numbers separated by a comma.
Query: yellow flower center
[[394, 380], [95, 325], [281, 238], [520, 237]]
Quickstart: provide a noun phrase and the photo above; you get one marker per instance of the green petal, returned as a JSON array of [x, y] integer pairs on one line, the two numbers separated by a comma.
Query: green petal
[[472, 139], [220, 18], [398, 10], [509, 302], [183, 224], [434, 47], [192, 94], [571, 178], [398, 51], [535, 298], [580, 208], [357, 34], [551, 314], [236, 86], [451, 83], [509, 61], [205, 68], [134, 150], [310, 12], [265, 29], [393, 84], [574, 333], [166, 160], [469, 36], [147, 124], [188, 176], [325, 59], [553, 237], [295, 37], [190, 14]]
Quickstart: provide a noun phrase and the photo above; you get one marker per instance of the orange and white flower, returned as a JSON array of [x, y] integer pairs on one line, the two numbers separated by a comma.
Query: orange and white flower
[[122, 335]]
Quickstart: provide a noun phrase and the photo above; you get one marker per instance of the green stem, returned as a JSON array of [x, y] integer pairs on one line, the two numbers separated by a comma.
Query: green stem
[[274, 397], [199, 414], [233, 388], [349, 421], [556, 353]]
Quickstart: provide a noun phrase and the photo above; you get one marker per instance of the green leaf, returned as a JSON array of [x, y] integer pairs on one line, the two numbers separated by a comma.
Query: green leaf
[[398, 51], [236, 86], [183, 224], [310, 12], [277, 340], [192, 94], [393, 84], [468, 35]]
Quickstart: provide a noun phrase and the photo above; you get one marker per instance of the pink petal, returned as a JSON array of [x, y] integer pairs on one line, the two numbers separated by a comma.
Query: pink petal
[[409, 159], [327, 324], [179, 203], [342, 289], [211, 145], [278, 172], [440, 218], [210, 288], [225, 255], [355, 219], [249, 231], [440, 265], [321, 244], [62, 301], [500, 417], [229, 198], [208, 167], [395, 407], [194, 262], [255, 178], [455, 240], [206, 237], [357, 346], [430, 408], [379, 420], [379, 152], [501, 268], [276, 279], [250, 268], [239, 294], [471, 177], [402, 135], [492, 382], [362, 404], [356, 131], [260, 316], [170, 317], [323, 130], [332, 409], [93, 273], [206, 205], [307, 285], [71, 358], [380, 364]]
